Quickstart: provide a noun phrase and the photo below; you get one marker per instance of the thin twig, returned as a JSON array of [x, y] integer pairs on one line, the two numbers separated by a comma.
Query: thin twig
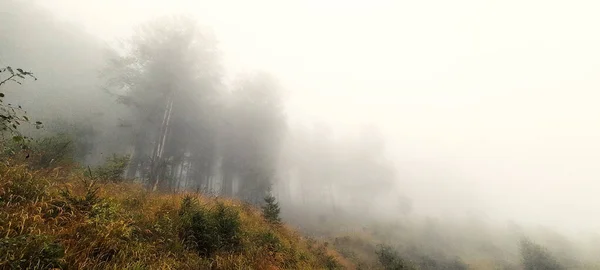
[[9, 78]]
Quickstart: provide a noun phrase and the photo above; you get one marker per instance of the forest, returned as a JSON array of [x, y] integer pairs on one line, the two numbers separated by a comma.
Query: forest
[[166, 130]]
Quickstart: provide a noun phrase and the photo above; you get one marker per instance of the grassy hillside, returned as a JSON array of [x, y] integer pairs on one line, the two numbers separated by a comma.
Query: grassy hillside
[[64, 218], [56, 214]]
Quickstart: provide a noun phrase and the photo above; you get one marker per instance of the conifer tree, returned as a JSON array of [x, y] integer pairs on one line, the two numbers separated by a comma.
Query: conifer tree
[[271, 210]]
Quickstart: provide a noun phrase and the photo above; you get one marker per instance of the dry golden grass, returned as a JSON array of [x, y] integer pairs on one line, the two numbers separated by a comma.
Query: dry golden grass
[[57, 218]]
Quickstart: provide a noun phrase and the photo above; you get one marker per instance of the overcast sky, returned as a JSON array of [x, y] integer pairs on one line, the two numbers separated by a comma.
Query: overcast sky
[[496, 99]]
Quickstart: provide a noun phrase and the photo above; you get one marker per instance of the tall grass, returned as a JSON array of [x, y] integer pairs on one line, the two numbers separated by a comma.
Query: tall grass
[[61, 218]]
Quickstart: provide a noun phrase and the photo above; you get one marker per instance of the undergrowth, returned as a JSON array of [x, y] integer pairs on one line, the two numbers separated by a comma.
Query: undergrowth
[[63, 218]]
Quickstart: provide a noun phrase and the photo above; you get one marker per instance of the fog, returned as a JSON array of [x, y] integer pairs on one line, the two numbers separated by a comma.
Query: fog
[[485, 107]]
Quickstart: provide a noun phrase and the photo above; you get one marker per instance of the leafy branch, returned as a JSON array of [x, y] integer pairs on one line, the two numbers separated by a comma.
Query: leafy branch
[[15, 75], [11, 117]]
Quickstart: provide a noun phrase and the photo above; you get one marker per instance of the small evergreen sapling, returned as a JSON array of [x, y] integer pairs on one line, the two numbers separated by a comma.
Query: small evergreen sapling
[[271, 210]]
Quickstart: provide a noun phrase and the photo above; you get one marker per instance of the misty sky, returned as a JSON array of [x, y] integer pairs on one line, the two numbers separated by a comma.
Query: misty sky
[[485, 104]]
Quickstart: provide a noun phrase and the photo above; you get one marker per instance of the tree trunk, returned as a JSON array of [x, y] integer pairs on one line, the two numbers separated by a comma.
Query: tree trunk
[[227, 187], [158, 163]]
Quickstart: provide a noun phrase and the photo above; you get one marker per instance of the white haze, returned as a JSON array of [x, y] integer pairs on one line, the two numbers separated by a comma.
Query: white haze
[[487, 106]]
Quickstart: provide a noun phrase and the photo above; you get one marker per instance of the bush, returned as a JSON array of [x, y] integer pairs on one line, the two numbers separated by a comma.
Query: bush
[[87, 202], [12, 116], [56, 150], [45, 152], [82, 133], [208, 231], [271, 210], [30, 252], [390, 259], [270, 241], [112, 170], [536, 257]]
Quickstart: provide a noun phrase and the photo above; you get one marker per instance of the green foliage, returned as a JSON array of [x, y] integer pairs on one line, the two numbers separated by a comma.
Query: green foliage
[[536, 257], [208, 231], [390, 259], [14, 76], [11, 116], [52, 151], [46, 152], [112, 170], [269, 240], [81, 133], [271, 210], [86, 203], [31, 252]]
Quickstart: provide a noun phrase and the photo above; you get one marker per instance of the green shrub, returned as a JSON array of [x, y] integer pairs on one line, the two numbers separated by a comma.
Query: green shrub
[[209, 230], [82, 133], [30, 252], [12, 116], [45, 152], [86, 203], [10, 148], [536, 257], [112, 170], [390, 259], [270, 241], [56, 150]]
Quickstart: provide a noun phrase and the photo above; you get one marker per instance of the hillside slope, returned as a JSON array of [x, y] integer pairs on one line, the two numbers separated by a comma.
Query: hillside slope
[[60, 218]]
